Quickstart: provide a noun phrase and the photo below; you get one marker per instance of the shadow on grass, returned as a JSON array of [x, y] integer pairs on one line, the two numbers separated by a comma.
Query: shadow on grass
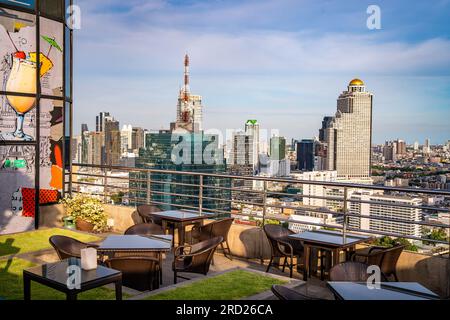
[[11, 285], [8, 249]]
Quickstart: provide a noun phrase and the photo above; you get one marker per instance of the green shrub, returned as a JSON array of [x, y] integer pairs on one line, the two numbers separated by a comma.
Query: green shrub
[[86, 208]]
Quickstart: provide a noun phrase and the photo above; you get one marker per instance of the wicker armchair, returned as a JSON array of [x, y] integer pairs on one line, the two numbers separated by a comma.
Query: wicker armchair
[[282, 246], [385, 258], [67, 247], [283, 293], [146, 211], [145, 229], [219, 228], [139, 273], [194, 258]]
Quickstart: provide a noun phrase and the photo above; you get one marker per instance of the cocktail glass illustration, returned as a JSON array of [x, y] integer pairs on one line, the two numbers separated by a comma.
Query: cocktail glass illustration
[[22, 78]]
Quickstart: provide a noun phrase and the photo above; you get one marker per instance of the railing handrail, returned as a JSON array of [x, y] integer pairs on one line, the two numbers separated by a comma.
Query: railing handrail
[[271, 179], [264, 193]]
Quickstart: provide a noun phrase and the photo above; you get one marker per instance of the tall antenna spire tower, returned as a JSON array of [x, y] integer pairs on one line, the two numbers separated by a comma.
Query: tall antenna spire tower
[[186, 77]]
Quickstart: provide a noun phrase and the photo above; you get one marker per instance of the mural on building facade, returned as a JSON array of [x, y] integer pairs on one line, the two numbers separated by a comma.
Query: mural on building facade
[[18, 67]]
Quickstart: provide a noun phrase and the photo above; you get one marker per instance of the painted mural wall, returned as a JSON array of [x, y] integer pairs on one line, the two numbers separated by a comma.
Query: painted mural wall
[[18, 115]]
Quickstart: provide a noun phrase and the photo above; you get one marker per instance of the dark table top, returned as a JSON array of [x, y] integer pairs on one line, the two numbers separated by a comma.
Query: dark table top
[[330, 238], [181, 216], [56, 272], [136, 243], [388, 291]]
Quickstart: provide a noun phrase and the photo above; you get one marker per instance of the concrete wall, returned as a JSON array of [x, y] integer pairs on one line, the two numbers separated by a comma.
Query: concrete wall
[[250, 242], [431, 271], [51, 216]]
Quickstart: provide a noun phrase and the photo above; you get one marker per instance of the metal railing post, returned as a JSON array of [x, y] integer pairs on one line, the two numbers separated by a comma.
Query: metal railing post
[[264, 203], [149, 188], [200, 195], [344, 226], [105, 183]]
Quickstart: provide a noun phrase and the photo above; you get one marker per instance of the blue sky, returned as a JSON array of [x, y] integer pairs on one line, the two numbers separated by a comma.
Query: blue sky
[[282, 62]]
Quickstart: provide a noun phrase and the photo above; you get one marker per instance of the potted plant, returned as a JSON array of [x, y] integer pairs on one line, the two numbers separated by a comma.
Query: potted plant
[[87, 211]]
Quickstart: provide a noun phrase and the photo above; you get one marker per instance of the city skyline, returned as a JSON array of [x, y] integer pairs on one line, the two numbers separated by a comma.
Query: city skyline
[[283, 69]]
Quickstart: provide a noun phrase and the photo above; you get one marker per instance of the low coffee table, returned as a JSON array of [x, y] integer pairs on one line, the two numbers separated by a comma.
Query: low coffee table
[[55, 275]]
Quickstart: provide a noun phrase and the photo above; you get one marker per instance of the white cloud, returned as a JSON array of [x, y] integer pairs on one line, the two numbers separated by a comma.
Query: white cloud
[[130, 62]]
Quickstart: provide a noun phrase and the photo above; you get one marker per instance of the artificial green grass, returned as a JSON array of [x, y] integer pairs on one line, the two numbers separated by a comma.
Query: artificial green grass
[[231, 285], [36, 240], [11, 285]]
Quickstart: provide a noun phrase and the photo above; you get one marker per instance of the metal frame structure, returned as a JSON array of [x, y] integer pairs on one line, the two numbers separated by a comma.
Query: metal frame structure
[[264, 193], [67, 97]]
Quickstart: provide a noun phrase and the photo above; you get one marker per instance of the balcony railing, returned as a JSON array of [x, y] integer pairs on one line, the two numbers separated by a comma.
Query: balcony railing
[[140, 186]]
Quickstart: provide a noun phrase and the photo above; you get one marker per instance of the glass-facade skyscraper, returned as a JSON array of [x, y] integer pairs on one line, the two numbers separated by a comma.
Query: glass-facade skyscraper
[[190, 152]]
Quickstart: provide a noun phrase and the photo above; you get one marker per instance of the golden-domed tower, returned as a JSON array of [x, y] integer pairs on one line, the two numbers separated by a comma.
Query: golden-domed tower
[[348, 134]]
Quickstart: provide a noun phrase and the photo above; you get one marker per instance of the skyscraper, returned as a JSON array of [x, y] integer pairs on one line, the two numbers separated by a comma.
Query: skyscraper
[[348, 134], [84, 145], [111, 155], [305, 154], [126, 136], [94, 147], [137, 139], [100, 121], [189, 106], [252, 129], [277, 148], [242, 150]]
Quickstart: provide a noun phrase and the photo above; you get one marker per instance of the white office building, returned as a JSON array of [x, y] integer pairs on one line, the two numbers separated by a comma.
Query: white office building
[[387, 207]]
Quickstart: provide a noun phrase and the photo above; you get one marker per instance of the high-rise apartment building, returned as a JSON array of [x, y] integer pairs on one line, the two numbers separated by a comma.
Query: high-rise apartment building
[[189, 106], [94, 145], [274, 168], [111, 153], [390, 151], [277, 148], [416, 146], [241, 156], [401, 147], [391, 207], [126, 135], [84, 145], [77, 148], [137, 139], [252, 129], [348, 135]]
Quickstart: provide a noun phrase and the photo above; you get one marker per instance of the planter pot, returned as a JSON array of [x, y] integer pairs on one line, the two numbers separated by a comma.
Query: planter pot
[[84, 225], [69, 223]]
